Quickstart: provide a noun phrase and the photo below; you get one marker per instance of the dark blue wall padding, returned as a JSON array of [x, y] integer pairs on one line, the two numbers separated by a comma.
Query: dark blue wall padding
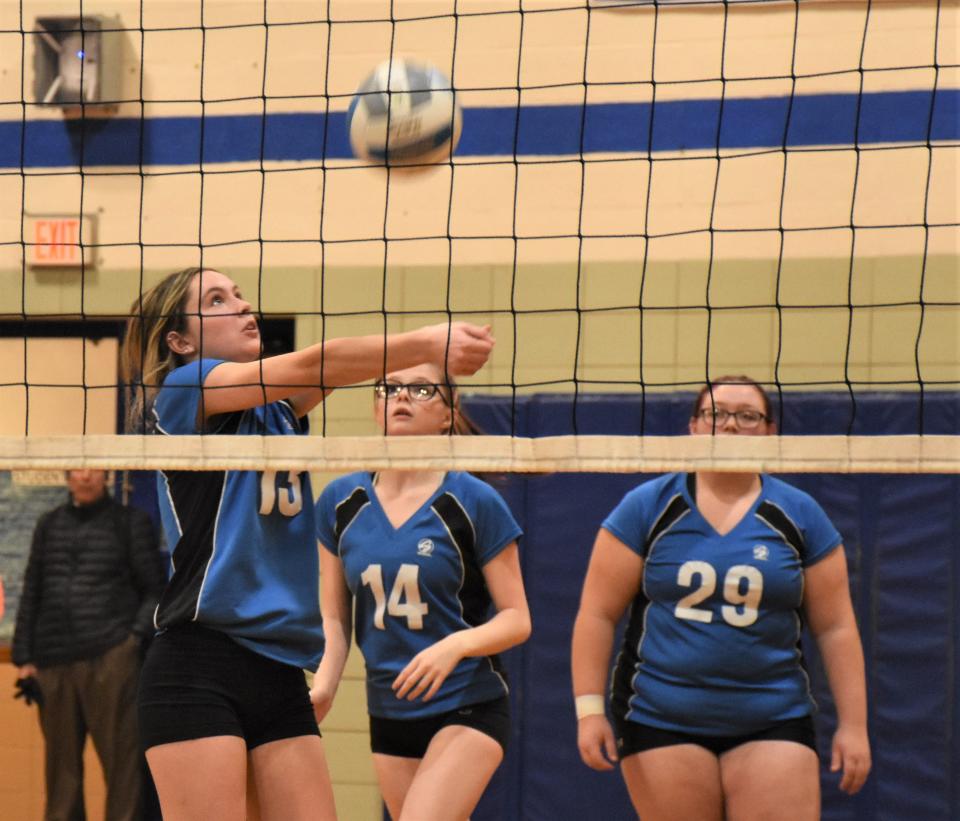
[[903, 550]]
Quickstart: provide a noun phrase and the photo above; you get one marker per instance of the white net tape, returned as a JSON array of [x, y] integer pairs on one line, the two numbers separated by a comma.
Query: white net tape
[[622, 454]]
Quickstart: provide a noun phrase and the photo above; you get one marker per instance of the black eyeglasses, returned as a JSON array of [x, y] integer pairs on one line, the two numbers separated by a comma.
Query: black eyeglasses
[[745, 419], [416, 391]]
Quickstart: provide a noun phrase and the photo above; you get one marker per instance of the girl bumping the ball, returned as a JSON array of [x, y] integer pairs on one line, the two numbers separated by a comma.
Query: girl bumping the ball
[[710, 704], [222, 686], [419, 556]]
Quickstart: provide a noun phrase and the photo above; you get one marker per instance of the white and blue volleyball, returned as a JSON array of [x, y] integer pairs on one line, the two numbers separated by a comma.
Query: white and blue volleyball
[[404, 113]]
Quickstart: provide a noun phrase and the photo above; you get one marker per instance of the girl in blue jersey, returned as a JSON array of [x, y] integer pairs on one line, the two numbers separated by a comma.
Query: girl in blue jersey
[[710, 702], [222, 687], [420, 556]]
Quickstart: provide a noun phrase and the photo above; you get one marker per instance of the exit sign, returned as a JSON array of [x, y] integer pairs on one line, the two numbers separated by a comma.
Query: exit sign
[[55, 241]]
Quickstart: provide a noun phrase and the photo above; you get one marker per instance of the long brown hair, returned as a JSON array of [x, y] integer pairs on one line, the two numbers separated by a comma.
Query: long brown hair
[[462, 424], [145, 358]]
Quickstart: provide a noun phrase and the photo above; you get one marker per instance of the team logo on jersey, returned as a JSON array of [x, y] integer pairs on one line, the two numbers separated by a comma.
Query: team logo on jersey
[[425, 547], [761, 552]]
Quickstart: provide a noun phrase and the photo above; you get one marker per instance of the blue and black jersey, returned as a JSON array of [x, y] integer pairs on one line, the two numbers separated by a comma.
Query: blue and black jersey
[[712, 644], [416, 584], [243, 550]]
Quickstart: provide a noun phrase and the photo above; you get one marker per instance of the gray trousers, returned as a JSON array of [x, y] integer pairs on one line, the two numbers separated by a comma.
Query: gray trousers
[[96, 696]]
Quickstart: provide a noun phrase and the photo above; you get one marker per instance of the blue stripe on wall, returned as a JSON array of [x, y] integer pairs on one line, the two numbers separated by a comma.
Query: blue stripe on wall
[[820, 119]]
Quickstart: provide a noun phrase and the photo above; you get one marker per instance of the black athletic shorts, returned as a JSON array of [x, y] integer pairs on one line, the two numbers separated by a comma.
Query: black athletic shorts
[[636, 738], [409, 738], [198, 683]]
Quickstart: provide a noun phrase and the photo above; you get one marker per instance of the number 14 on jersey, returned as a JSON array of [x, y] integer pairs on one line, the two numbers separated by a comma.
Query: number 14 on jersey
[[404, 601]]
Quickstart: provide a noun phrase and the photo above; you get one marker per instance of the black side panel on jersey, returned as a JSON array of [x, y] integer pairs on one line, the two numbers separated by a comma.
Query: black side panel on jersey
[[473, 595], [347, 511], [774, 516], [195, 496], [626, 665], [673, 511]]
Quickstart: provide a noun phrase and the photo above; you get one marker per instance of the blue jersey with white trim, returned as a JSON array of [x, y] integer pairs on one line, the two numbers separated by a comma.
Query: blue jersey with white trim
[[243, 551], [416, 584], [712, 645]]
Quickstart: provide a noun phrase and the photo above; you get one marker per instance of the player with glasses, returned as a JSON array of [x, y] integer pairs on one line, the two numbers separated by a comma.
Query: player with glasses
[[416, 391], [745, 419], [711, 711], [424, 565]]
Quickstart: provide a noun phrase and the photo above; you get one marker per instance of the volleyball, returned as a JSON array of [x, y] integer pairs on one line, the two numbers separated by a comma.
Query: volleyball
[[404, 113]]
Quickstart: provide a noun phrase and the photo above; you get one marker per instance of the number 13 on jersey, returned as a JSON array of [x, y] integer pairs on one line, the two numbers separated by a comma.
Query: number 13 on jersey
[[404, 601], [290, 500]]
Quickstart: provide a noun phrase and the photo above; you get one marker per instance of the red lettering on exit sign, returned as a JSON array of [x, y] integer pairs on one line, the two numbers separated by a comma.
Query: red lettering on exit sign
[[56, 241]]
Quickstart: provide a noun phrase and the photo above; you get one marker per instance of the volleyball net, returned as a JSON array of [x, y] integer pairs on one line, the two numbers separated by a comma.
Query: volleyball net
[[645, 196]]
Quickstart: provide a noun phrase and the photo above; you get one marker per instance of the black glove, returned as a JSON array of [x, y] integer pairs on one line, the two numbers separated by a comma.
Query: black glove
[[28, 688]]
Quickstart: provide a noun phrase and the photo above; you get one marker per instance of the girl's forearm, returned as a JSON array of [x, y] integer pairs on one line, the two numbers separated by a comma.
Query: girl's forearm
[[335, 653], [350, 360], [591, 649], [843, 661], [508, 628]]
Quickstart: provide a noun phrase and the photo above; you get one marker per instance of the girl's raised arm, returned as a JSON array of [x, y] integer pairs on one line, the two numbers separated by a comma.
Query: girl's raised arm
[[306, 376]]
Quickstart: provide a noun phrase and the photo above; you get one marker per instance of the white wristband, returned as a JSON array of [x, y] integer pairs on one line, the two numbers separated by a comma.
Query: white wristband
[[591, 705]]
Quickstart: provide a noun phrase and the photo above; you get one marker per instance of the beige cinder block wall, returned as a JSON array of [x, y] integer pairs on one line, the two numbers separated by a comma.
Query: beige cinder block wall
[[541, 239]]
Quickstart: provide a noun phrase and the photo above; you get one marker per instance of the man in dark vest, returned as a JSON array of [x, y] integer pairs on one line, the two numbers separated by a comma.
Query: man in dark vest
[[91, 585]]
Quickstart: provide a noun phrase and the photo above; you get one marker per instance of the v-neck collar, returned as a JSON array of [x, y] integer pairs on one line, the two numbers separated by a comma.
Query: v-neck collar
[[378, 506], [690, 492]]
